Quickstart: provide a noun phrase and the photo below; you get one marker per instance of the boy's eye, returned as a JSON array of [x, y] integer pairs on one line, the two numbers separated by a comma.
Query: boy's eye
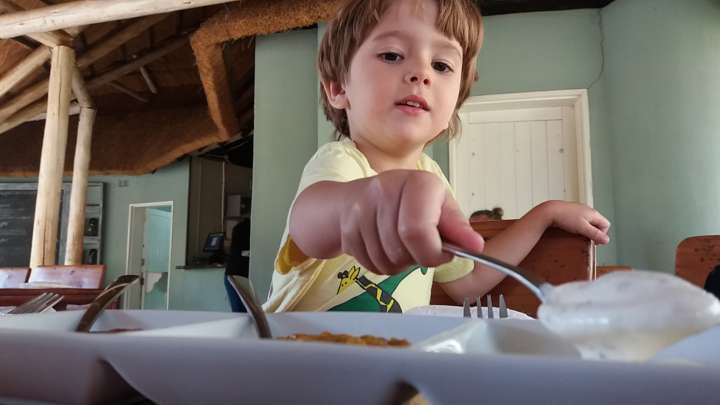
[[441, 67], [390, 56]]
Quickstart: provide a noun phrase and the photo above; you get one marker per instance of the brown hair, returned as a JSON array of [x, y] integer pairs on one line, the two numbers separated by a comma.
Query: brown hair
[[457, 19], [494, 214]]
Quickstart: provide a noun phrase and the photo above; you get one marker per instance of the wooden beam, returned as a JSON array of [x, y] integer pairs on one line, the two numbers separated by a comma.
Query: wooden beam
[[74, 110], [31, 4], [163, 49], [40, 88], [46, 38], [118, 39], [52, 160], [23, 69], [24, 115], [81, 165], [119, 87], [148, 80], [85, 12]]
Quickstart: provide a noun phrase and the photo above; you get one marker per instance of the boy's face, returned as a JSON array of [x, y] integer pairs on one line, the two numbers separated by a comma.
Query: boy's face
[[403, 81]]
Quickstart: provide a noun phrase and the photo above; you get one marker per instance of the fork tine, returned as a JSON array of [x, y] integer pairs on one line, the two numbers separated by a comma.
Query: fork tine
[[466, 308], [40, 304], [491, 315], [27, 306], [478, 302], [54, 299], [503, 307]]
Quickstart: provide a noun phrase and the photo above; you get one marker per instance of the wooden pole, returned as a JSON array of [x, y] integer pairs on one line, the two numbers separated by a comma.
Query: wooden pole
[[23, 69], [52, 160], [84, 12], [39, 89], [46, 38], [81, 165]]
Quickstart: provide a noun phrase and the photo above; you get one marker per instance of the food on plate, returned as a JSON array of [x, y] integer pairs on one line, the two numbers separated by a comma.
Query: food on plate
[[365, 340], [628, 315], [116, 330]]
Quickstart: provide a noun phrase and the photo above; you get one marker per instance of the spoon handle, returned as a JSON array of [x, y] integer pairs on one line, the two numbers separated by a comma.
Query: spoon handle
[[104, 299], [256, 312], [534, 283]]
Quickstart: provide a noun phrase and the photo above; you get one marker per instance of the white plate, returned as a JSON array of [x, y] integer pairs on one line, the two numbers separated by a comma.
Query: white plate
[[457, 312], [173, 369]]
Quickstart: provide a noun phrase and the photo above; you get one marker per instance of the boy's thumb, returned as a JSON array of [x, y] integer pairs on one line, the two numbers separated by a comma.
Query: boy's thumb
[[456, 229]]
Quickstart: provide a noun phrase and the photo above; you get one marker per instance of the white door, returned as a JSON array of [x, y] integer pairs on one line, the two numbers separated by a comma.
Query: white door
[[515, 154]]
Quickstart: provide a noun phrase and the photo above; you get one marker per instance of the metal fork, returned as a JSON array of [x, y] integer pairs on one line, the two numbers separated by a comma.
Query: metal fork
[[41, 303], [502, 308]]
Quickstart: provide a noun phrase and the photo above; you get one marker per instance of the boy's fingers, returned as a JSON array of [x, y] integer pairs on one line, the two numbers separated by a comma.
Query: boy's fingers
[[595, 234], [419, 210], [455, 228], [374, 247]]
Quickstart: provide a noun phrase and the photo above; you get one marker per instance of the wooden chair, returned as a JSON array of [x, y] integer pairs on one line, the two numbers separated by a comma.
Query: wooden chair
[[558, 257], [13, 277], [600, 270], [696, 256], [79, 276]]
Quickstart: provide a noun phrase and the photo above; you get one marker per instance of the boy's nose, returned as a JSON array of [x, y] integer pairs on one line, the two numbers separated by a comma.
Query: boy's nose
[[415, 77]]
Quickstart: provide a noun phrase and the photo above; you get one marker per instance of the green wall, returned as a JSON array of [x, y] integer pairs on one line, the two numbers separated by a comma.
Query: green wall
[[286, 136], [663, 82]]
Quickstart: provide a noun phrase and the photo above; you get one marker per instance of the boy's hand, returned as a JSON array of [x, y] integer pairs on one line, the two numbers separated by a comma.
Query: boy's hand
[[580, 219], [400, 217]]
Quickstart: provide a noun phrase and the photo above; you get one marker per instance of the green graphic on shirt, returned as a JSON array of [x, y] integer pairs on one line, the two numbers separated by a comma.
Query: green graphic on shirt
[[377, 297]]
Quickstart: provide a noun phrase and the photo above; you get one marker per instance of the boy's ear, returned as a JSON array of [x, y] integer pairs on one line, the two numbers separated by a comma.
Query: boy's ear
[[336, 94]]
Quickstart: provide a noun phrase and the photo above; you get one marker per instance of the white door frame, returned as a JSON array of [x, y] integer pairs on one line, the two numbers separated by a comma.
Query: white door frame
[[132, 231], [574, 98]]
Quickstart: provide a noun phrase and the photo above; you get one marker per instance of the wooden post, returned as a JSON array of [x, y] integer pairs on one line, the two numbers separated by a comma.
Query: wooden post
[[23, 69], [52, 160], [81, 165]]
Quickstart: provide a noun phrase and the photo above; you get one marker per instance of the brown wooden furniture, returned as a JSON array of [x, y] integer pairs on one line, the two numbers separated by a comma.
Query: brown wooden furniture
[[696, 256], [72, 296], [79, 276], [558, 257], [13, 277], [600, 270]]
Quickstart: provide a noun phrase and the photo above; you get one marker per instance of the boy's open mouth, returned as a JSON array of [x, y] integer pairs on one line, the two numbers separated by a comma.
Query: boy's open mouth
[[415, 102]]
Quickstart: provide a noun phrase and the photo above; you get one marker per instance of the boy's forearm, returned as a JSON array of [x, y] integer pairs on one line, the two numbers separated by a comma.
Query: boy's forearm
[[511, 245], [515, 242], [315, 219]]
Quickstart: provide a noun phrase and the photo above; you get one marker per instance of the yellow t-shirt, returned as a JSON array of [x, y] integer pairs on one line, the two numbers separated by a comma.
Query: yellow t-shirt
[[300, 283]]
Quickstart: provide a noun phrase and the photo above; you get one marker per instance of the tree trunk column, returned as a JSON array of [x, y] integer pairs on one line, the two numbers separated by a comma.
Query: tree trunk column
[[52, 160], [81, 165]]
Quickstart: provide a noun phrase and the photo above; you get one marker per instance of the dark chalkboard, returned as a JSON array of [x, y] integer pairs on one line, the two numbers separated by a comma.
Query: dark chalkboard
[[17, 210]]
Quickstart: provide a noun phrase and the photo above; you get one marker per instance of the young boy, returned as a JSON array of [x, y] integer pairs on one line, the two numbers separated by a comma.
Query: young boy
[[394, 73]]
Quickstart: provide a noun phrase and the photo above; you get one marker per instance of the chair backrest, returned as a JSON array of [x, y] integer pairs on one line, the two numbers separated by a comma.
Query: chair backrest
[[13, 277], [696, 256], [600, 270], [76, 276], [558, 257]]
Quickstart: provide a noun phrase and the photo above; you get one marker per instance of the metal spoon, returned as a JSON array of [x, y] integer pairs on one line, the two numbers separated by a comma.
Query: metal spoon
[[538, 286], [256, 312], [108, 295]]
